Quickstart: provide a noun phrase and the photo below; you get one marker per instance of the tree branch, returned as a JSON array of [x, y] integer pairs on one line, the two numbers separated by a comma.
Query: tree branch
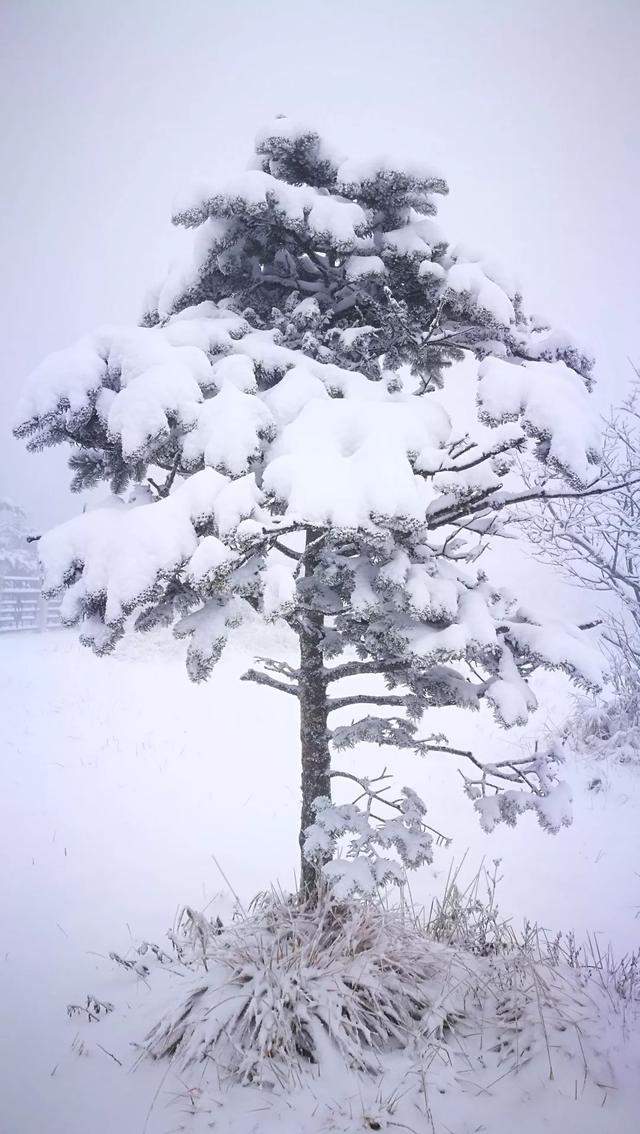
[[265, 679], [366, 699], [163, 490], [452, 513], [287, 551], [516, 443], [370, 794], [361, 668]]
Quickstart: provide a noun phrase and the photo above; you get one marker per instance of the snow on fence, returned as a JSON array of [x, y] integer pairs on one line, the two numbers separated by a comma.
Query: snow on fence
[[22, 606]]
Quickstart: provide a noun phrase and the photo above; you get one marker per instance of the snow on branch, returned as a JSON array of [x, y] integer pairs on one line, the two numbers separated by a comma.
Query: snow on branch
[[500, 790], [536, 787], [368, 699], [394, 731], [255, 196], [364, 869]]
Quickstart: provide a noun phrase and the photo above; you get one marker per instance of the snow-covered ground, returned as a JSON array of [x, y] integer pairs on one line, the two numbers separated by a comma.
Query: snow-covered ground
[[126, 789]]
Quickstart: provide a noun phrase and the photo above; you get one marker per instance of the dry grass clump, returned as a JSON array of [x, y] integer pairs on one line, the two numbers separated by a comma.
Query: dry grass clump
[[292, 980], [458, 993]]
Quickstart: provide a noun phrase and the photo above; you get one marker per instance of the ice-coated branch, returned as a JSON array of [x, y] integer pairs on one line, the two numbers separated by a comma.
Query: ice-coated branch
[[570, 494], [371, 794], [500, 791], [275, 665], [260, 678], [516, 443], [364, 869], [470, 504], [536, 787], [394, 731], [362, 668], [598, 541], [489, 500], [367, 699]]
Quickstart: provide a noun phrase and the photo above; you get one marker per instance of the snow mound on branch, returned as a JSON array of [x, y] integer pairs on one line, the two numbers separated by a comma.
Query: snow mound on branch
[[186, 270], [359, 171], [210, 555], [553, 404], [254, 192], [278, 588], [560, 646], [137, 382], [283, 132], [119, 554], [376, 182], [283, 127], [229, 431], [551, 345], [418, 238], [68, 379], [212, 329], [287, 398], [553, 809], [470, 279], [321, 465], [358, 266], [432, 270], [208, 629], [141, 413], [463, 253]]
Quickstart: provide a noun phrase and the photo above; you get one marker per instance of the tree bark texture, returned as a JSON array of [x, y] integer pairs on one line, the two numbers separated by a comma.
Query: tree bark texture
[[314, 741]]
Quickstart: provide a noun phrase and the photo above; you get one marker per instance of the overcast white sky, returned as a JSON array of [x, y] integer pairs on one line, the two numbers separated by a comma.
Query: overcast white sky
[[530, 108]]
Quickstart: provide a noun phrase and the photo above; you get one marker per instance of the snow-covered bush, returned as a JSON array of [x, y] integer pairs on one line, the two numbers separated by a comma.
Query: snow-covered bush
[[595, 542], [295, 987], [293, 980], [286, 437], [609, 729]]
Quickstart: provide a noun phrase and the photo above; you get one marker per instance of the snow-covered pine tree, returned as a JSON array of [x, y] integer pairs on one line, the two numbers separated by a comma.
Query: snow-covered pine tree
[[301, 448], [17, 555]]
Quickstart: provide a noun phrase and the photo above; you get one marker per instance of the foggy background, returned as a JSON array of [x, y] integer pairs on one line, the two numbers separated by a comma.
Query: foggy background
[[529, 108]]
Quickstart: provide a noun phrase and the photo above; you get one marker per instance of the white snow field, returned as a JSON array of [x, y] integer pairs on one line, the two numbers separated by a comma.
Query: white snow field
[[127, 790]]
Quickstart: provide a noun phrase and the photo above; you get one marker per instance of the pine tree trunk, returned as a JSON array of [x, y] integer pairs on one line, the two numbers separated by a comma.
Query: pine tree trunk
[[314, 742]]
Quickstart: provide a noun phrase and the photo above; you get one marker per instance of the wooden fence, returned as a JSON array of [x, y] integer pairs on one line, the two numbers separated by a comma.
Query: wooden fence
[[22, 606]]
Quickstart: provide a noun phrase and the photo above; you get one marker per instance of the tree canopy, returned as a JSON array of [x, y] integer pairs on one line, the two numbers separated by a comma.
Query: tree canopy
[[324, 417]]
